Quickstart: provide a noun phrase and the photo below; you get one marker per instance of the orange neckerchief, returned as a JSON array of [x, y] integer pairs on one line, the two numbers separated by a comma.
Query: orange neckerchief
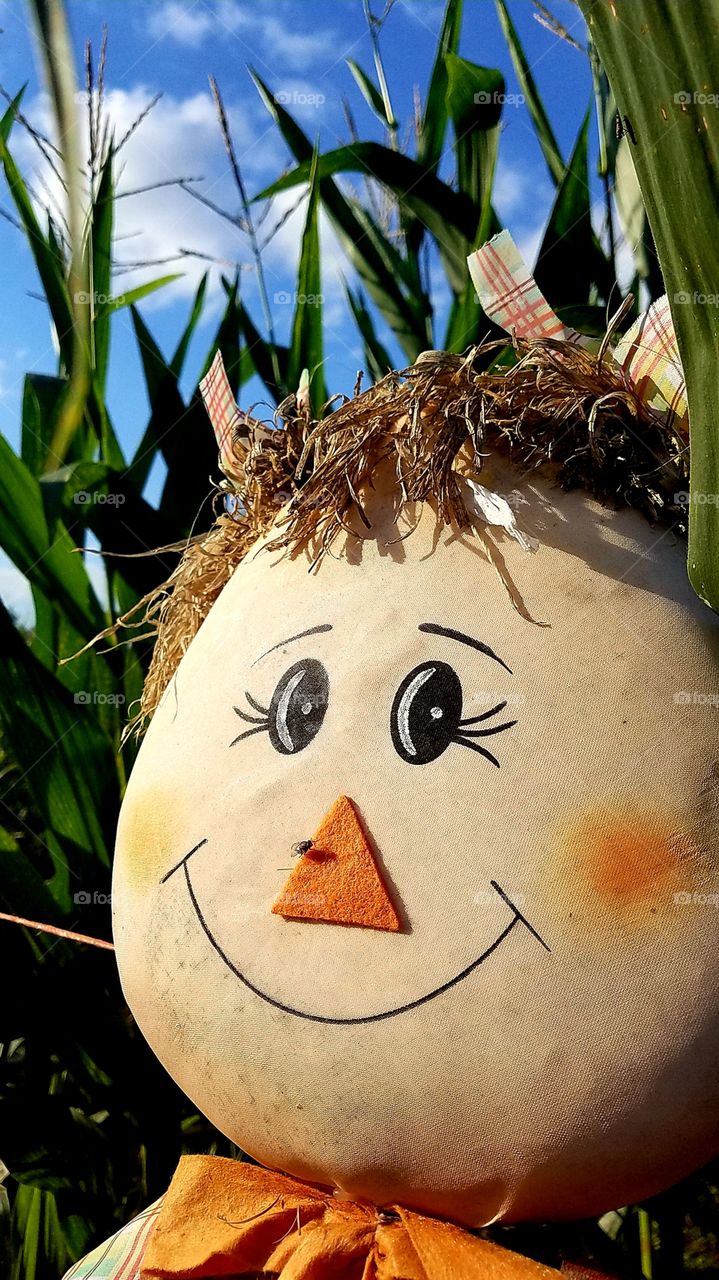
[[224, 1218]]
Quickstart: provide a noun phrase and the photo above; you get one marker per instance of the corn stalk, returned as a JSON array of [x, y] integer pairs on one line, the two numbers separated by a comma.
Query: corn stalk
[[57, 56], [662, 61]]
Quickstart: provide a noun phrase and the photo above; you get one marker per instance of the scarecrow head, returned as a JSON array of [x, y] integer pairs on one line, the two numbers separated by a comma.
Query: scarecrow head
[[416, 878]]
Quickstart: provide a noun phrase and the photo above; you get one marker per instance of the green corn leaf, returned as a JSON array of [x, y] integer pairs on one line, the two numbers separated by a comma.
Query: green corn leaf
[[570, 260], [180, 433], [630, 206], [162, 379], [431, 199], [23, 891], [474, 100], [260, 353], [66, 762], [435, 119], [466, 321], [542, 128], [9, 117], [51, 277], [227, 339], [39, 404], [450, 217], [177, 363], [371, 94], [377, 357], [97, 415], [100, 249], [661, 62], [130, 296], [166, 404], [48, 560], [95, 496], [306, 351], [404, 318]]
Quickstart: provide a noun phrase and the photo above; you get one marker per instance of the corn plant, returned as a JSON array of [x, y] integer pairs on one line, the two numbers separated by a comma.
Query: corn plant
[[661, 60]]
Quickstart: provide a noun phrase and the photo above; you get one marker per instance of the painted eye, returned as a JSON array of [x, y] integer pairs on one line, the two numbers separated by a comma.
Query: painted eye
[[426, 712], [298, 706]]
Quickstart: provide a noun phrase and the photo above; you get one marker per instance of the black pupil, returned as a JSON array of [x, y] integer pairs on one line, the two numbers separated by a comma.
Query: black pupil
[[298, 706], [426, 712]]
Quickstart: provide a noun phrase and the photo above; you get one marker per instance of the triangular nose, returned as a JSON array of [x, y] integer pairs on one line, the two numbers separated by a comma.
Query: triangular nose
[[338, 880]]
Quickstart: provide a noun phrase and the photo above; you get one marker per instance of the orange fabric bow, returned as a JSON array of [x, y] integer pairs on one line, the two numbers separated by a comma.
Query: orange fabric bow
[[224, 1218]]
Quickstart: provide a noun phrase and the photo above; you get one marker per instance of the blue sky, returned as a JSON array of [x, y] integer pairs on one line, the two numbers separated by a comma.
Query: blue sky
[[299, 47]]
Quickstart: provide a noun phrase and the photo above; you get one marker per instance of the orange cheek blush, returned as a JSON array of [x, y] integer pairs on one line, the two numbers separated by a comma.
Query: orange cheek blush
[[148, 836], [629, 856]]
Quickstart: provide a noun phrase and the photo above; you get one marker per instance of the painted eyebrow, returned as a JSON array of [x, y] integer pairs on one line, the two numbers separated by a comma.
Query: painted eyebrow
[[434, 629], [311, 631]]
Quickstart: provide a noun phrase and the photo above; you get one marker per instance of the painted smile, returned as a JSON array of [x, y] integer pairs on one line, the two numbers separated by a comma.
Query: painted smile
[[517, 918]]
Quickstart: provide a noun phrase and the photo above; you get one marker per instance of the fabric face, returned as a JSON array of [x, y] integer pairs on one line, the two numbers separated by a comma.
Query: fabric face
[[539, 1039]]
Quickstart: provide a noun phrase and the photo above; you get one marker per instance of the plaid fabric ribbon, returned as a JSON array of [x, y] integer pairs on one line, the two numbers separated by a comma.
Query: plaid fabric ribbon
[[648, 353], [227, 420], [509, 294]]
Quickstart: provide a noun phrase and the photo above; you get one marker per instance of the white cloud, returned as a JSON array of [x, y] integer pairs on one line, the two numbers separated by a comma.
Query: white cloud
[[529, 243], [518, 190], [179, 138], [263, 33], [186, 23]]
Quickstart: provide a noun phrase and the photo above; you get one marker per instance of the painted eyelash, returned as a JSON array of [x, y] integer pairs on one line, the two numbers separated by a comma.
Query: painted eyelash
[[261, 722], [462, 739]]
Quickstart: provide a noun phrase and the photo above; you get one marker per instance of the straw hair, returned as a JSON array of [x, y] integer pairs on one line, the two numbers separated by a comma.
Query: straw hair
[[301, 480]]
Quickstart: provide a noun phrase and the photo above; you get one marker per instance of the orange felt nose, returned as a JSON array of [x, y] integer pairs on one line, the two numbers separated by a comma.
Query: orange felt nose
[[338, 880]]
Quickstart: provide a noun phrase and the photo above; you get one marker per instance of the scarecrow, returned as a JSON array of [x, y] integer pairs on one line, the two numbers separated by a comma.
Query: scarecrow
[[414, 872]]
